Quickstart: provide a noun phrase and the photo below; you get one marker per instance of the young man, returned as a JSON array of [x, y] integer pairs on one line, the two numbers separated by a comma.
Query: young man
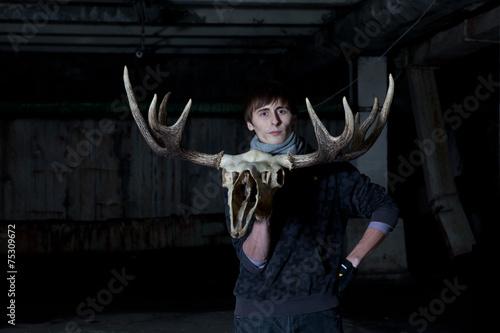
[[292, 269]]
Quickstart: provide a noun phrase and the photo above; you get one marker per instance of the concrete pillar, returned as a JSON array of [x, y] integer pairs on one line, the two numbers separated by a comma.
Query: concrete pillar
[[372, 82], [442, 193], [388, 262]]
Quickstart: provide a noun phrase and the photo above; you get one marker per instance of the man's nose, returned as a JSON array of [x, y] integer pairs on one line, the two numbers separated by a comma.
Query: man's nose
[[275, 119]]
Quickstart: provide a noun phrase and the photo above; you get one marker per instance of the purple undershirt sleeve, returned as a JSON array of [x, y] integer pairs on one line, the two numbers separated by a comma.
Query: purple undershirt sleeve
[[259, 264], [384, 227]]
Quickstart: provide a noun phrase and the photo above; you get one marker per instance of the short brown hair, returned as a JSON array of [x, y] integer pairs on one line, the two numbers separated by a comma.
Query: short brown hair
[[265, 93]]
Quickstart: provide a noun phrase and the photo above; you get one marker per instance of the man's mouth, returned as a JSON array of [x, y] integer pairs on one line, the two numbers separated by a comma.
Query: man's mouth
[[275, 133]]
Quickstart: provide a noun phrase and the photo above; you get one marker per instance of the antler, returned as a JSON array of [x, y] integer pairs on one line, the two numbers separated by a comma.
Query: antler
[[330, 148], [167, 139]]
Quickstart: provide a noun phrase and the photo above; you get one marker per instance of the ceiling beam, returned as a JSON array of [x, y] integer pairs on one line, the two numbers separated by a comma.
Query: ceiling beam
[[131, 49], [237, 3], [205, 3], [465, 38], [377, 26], [165, 15], [56, 30]]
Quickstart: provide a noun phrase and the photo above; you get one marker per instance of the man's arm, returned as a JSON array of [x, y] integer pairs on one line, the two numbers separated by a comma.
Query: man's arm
[[257, 245], [368, 243]]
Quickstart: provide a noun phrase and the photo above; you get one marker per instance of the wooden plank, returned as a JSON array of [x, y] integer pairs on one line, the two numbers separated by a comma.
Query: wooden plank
[[439, 181], [463, 39]]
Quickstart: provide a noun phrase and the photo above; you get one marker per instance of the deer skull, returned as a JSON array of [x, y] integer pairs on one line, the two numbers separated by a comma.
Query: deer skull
[[252, 178]]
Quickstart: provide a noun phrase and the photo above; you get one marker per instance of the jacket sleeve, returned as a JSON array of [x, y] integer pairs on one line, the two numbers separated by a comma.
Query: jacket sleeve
[[362, 197]]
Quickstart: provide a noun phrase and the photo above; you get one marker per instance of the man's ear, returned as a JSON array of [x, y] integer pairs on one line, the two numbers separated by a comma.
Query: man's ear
[[250, 126]]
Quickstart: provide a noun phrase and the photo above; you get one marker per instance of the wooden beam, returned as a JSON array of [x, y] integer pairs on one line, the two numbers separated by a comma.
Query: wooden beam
[[439, 181], [465, 38]]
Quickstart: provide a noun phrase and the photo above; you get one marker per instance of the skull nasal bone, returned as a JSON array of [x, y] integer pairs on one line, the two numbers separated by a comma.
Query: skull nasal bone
[[280, 177]]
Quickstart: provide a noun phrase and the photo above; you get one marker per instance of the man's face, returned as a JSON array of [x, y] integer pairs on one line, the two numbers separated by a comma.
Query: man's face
[[273, 123]]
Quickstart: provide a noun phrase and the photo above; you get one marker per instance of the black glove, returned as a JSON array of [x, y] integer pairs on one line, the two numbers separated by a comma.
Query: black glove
[[346, 273]]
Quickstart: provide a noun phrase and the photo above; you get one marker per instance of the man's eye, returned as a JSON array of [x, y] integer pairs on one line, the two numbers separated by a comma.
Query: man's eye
[[263, 113]]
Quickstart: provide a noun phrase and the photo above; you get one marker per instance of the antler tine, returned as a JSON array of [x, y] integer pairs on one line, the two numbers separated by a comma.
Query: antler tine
[[360, 130], [362, 146], [329, 148], [176, 129], [171, 135], [136, 113], [162, 116], [168, 142], [325, 140]]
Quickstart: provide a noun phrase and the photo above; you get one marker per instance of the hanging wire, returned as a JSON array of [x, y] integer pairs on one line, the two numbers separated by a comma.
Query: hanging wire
[[143, 18], [139, 52], [380, 57]]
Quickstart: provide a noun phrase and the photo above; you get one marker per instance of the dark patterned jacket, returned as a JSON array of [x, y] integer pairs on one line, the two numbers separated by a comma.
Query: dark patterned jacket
[[309, 217]]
